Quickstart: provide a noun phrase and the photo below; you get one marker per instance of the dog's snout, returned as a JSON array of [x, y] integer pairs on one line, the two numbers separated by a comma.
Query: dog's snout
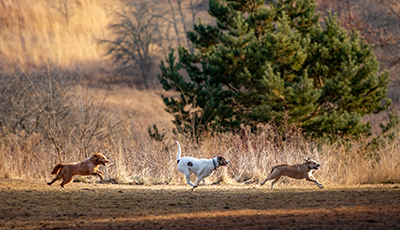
[[105, 161], [225, 163]]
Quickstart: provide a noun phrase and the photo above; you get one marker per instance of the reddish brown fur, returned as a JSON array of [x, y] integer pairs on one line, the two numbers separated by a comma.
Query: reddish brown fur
[[87, 167]]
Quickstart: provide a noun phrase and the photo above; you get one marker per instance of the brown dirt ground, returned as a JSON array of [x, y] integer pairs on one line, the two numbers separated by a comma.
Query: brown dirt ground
[[34, 204]]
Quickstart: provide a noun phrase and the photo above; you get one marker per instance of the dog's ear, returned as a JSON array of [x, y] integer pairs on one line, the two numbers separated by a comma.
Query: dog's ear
[[307, 159], [96, 154]]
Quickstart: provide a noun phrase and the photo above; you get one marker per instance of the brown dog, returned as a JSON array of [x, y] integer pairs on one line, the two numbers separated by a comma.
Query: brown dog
[[299, 171], [86, 167]]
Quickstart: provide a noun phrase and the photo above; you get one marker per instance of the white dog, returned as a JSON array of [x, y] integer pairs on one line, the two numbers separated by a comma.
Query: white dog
[[202, 168]]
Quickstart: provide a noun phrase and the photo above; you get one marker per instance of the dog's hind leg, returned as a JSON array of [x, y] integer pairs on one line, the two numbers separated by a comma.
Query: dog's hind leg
[[188, 179], [55, 179], [271, 177], [276, 180], [274, 175], [262, 183], [186, 172], [66, 180]]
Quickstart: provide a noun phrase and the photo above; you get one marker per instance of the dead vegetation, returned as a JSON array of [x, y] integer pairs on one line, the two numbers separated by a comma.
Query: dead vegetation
[[63, 119], [62, 112], [52, 113]]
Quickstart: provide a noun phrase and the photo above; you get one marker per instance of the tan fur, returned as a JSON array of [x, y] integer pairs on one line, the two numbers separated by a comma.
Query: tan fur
[[87, 167], [298, 171]]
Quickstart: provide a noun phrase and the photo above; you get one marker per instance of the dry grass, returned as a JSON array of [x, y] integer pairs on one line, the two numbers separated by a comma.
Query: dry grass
[[137, 159], [35, 31], [66, 32]]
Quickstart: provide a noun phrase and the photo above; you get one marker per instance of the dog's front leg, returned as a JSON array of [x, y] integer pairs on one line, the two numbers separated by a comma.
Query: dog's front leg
[[312, 179], [195, 184], [99, 174], [201, 177]]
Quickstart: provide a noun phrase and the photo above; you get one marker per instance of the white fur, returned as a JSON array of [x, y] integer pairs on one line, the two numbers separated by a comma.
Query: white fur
[[202, 168]]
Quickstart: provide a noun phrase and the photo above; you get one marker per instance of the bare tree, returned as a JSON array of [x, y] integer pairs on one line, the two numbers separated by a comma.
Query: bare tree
[[134, 35], [40, 102], [64, 7], [174, 23], [181, 21], [37, 102], [184, 25], [393, 9]]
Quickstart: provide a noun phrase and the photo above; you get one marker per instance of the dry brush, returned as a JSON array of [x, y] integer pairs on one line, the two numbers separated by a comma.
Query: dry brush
[[50, 116]]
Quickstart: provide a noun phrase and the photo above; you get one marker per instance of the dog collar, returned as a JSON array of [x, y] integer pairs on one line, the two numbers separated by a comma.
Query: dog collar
[[215, 165]]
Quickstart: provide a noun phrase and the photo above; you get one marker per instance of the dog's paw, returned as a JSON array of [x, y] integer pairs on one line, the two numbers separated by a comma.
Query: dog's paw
[[320, 186]]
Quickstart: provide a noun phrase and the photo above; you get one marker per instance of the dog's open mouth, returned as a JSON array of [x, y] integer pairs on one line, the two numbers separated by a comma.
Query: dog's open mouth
[[316, 167]]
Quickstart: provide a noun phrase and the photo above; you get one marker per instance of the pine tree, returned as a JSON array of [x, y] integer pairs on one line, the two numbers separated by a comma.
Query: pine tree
[[274, 64]]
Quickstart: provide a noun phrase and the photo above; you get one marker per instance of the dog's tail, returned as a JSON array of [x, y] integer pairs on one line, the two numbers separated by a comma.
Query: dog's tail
[[179, 152], [57, 168]]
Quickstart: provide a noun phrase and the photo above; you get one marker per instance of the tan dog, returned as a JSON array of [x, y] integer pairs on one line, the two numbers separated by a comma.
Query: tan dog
[[299, 171], [86, 167]]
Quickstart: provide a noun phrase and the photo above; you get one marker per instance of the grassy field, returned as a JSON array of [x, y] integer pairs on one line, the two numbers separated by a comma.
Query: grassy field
[[63, 113], [136, 158], [28, 204]]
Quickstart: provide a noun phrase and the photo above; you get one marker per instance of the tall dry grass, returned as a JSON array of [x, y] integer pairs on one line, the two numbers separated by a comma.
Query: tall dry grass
[[137, 159], [115, 123], [48, 116], [65, 32]]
